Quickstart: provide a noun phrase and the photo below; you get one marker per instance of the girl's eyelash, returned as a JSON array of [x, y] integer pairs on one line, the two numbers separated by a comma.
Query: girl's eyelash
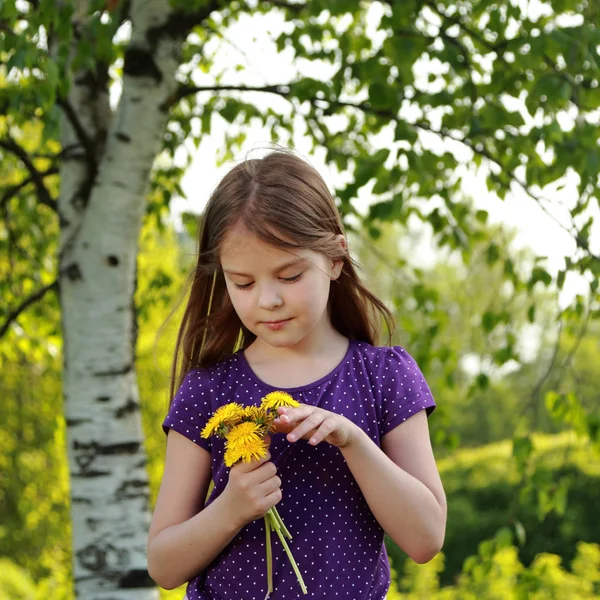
[[292, 279], [245, 286]]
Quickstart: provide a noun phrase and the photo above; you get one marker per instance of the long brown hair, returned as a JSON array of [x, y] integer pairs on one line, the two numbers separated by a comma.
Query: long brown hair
[[284, 202]]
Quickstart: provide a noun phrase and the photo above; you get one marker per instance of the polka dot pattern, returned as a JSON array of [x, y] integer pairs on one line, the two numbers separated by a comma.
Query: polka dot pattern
[[337, 542]]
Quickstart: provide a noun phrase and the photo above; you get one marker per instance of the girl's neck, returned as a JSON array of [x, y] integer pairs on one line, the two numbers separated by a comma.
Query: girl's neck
[[294, 367], [323, 342]]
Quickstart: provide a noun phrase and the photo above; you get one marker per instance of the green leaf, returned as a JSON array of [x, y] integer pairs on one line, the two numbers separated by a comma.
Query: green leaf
[[522, 449], [492, 253]]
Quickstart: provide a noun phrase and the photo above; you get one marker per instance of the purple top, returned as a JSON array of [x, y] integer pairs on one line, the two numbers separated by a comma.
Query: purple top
[[336, 541]]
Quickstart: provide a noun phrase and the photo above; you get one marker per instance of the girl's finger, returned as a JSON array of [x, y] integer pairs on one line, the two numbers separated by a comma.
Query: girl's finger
[[310, 423], [327, 428], [293, 415]]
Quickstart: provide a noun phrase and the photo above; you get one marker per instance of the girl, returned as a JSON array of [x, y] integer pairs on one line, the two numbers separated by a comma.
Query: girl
[[274, 278]]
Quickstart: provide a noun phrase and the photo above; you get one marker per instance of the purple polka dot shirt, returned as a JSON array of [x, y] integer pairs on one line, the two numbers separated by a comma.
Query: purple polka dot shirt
[[337, 542]]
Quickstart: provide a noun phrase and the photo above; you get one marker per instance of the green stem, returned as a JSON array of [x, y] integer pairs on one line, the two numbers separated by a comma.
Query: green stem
[[277, 516], [287, 551], [269, 558]]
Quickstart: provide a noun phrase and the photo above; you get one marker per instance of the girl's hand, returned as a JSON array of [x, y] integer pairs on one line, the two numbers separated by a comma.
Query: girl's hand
[[315, 425], [253, 488]]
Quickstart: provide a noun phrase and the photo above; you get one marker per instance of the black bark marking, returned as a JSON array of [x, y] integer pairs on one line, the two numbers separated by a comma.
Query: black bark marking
[[128, 408], [91, 474], [77, 500], [123, 137], [96, 448], [97, 558], [140, 63], [88, 452], [112, 260], [136, 578], [103, 398], [136, 488], [73, 272], [92, 523], [75, 422], [122, 371]]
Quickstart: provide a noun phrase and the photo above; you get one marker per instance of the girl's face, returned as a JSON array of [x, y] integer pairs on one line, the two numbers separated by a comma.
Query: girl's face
[[279, 295]]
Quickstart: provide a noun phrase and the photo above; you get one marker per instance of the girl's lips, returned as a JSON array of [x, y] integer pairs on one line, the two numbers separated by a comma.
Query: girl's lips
[[275, 325]]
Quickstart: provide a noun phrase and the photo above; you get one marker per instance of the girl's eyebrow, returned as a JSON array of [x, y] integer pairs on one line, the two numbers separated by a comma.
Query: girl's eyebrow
[[276, 270]]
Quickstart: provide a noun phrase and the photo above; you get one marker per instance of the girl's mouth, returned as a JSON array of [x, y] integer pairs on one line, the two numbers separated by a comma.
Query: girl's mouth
[[276, 325]]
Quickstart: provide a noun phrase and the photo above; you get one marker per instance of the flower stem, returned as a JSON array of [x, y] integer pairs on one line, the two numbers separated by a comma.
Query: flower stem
[[269, 557], [278, 531], [277, 516]]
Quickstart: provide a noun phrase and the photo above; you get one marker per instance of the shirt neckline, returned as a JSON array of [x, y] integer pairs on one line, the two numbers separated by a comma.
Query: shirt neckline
[[246, 368]]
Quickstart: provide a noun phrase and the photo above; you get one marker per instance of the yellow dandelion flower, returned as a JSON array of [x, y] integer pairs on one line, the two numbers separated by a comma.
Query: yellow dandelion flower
[[250, 449], [274, 400], [243, 433], [231, 456], [225, 417], [256, 414]]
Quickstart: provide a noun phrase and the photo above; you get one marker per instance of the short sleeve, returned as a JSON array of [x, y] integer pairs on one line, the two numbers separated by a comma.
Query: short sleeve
[[191, 408], [404, 391]]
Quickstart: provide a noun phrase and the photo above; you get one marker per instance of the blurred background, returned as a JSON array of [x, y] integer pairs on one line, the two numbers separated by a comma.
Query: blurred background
[[460, 140]]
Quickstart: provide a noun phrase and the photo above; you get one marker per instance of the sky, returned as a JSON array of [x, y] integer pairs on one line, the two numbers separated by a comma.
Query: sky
[[249, 41]]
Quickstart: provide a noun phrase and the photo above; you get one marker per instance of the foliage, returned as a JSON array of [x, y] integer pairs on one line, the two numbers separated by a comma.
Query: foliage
[[496, 573], [486, 494]]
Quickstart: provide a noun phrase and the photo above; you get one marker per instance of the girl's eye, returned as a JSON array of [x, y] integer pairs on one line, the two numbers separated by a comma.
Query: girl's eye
[[292, 279], [245, 286]]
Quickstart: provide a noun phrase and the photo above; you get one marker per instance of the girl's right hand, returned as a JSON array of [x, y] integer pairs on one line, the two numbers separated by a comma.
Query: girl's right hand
[[253, 489]]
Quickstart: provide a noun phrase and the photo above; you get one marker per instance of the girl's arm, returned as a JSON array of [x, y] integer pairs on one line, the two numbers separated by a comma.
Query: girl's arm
[[400, 482], [402, 486], [185, 537]]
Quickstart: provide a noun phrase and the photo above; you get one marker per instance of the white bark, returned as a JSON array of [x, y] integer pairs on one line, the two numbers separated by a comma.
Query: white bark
[[109, 483]]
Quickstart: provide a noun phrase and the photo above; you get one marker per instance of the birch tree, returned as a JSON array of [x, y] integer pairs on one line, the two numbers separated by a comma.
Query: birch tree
[[93, 92]]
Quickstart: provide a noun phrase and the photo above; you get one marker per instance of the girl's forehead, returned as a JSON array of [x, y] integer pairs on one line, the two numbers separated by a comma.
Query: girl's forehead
[[242, 246]]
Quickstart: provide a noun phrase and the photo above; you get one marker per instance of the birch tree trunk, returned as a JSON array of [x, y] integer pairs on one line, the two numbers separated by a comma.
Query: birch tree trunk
[[102, 202]]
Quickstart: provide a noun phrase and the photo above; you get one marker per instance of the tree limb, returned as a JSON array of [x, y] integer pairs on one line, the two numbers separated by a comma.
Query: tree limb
[[284, 90], [15, 189], [82, 135], [291, 6], [188, 90], [26, 304], [37, 177]]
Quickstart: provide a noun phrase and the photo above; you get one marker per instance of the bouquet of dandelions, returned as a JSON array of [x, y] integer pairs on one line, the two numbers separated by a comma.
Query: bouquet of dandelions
[[244, 429]]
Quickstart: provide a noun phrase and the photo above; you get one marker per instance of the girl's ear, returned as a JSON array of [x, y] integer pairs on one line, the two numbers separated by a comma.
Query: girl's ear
[[338, 264]]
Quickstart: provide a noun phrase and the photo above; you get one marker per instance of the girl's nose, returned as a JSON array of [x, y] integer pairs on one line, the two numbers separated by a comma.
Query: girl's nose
[[269, 298]]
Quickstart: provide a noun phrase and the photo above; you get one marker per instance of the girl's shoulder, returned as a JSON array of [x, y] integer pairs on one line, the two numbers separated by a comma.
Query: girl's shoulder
[[221, 370], [381, 359]]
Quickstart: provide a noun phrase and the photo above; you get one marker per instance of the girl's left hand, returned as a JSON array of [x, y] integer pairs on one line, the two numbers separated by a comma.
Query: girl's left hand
[[315, 425]]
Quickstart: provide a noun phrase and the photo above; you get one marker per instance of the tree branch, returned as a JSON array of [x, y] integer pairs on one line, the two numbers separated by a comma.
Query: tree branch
[[285, 90], [82, 135], [291, 6], [37, 177], [188, 90], [15, 189], [26, 304]]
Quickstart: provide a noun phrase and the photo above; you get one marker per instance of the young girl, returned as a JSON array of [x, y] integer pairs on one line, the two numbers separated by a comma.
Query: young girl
[[274, 278]]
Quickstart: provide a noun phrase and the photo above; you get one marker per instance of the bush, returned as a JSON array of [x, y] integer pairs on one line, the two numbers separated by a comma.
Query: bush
[[496, 573], [485, 495]]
